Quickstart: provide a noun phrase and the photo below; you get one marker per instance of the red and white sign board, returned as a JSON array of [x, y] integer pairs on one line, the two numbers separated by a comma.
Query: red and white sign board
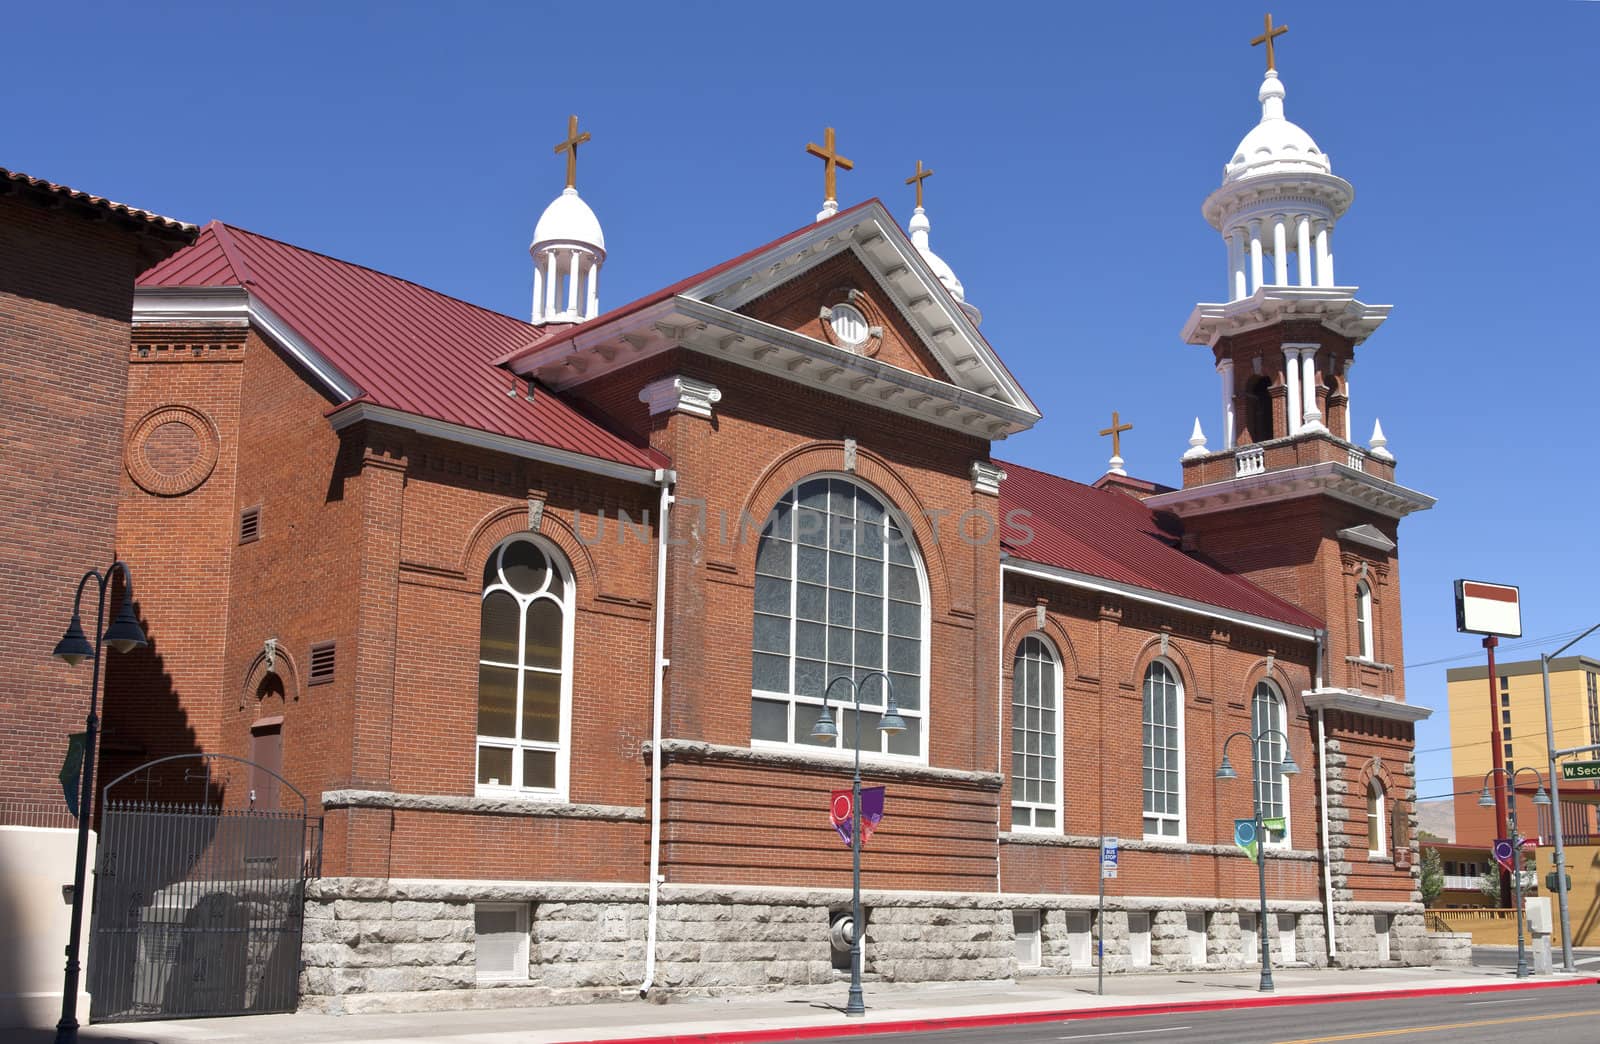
[[1484, 608]]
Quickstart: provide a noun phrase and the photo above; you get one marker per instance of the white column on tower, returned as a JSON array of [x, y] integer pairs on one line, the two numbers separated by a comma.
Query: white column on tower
[[1308, 383], [1349, 364], [1291, 379], [1280, 251], [1324, 259], [538, 294], [1235, 266], [592, 307], [572, 285], [1303, 235], [550, 280], [1225, 371], [1255, 256]]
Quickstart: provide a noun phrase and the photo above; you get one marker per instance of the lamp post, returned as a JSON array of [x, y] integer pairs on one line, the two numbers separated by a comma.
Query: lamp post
[[123, 634], [1286, 767], [824, 731], [1560, 860], [1487, 801]]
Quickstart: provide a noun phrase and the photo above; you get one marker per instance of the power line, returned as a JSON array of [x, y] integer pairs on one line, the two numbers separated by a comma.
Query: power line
[[1522, 644]]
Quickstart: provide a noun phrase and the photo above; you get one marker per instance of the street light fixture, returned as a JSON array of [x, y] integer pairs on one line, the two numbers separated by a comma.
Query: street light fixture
[[123, 635], [826, 731], [1486, 800], [1560, 860], [1286, 766]]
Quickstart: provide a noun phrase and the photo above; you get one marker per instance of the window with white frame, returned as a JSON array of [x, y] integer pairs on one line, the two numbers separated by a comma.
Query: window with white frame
[[1163, 753], [1035, 732], [1272, 787], [1375, 817], [1364, 647], [839, 592], [525, 669]]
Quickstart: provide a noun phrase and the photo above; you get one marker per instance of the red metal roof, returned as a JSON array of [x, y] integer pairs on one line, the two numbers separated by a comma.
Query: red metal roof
[[406, 347], [144, 220], [1111, 535]]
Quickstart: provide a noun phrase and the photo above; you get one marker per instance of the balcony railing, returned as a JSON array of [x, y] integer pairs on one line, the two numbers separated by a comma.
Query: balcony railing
[[1252, 460]]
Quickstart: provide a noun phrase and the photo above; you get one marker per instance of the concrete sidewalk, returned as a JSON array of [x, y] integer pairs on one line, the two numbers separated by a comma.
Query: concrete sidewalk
[[815, 1012]]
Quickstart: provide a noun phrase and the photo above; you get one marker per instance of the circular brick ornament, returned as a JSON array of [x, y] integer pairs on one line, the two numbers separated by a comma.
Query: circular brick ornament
[[172, 450], [852, 321]]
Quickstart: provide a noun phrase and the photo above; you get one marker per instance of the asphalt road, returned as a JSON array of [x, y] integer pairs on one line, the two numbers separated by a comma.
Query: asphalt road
[[1551, 1016]]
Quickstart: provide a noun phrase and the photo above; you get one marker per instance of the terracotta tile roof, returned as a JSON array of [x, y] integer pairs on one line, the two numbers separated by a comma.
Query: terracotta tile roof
[[404, 346], [143, 220], [1110, 535]]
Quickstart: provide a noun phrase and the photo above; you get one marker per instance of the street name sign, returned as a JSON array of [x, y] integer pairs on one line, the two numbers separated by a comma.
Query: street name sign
[[1580, 770]]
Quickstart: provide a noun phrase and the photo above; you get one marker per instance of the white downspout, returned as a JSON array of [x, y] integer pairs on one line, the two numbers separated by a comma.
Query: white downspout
[[1000, 723], [1322, 782], [665, 479]]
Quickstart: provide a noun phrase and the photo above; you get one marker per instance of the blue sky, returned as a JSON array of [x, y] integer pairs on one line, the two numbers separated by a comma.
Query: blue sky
[[1072, 144]]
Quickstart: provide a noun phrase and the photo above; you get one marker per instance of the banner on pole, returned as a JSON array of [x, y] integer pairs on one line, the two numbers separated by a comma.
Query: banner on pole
[[871, 812], [72, 770], [1244, 835], [1503, 853]]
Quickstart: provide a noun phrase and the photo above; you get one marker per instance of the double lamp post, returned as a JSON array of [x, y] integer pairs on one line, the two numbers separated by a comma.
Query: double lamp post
[[1487, 801], [1285, 767]]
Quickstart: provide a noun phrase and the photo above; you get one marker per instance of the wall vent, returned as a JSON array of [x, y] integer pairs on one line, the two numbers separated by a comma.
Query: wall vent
[[250, 524], [322, 663]]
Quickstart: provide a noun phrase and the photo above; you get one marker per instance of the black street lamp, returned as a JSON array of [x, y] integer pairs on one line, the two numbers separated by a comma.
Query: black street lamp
[[74, 647], [1539, 798], [1286, 767], [825, 731]]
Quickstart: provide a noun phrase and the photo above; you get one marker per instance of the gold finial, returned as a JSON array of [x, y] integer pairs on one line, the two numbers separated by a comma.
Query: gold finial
[[1267, 38], [916, 179], [1115, 431], [830, 157], [570, 147]]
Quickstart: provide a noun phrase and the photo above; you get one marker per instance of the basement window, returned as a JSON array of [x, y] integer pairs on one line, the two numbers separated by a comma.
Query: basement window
[[250, 524], [1026, 923], [500, 952], [323, 657]]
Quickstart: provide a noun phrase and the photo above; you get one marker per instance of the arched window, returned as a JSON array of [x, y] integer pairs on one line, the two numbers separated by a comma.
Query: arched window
[[1035, 736], [839, 592], [1363, 620], [525, 669], [1258, 409], [1375, 817], [1272, 787], [1163, 753]]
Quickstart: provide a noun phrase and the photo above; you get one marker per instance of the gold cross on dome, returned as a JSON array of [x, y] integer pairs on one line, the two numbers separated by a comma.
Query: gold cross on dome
[[1267, 38], [1115, 431], [831, 159], [570, 147], [917, 179]]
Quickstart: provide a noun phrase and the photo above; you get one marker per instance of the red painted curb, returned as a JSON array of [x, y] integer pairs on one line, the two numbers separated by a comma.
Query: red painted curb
[[952, 1022]]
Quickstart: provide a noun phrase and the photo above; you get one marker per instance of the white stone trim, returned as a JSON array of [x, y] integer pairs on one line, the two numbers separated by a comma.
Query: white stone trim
[[507, 805], [1385, 707], [1368, 535], [1335, 307], [680, 394], [1144, 844], [986, 477], [1329, 478], [786, 756]]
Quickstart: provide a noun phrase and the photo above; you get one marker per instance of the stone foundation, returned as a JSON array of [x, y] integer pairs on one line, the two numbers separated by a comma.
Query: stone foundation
[[374, 945]]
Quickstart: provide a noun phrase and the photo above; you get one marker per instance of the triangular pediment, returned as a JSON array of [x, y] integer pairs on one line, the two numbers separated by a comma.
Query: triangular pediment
[[765, 310]]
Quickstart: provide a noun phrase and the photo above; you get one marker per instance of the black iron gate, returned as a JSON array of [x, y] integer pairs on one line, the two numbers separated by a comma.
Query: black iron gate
[[199, 893]]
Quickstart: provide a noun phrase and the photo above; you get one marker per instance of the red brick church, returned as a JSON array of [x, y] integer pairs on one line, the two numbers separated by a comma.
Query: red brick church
[[540, 614]]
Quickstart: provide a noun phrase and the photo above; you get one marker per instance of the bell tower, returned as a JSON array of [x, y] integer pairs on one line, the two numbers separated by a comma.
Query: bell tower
[[1289, 498]]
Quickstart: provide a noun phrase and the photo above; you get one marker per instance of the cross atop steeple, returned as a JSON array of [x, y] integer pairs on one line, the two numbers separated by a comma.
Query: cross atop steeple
[[917, 180], [1267, 38], [831, 160], [570, 147], [1115, 431]]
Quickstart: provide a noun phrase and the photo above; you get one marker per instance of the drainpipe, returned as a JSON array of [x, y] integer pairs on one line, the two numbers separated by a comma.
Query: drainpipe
[[999, 724], [1322, 783], [665, 480]]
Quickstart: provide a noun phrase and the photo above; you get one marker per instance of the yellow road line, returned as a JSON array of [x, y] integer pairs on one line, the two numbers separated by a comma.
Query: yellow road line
[[1441, 1026]]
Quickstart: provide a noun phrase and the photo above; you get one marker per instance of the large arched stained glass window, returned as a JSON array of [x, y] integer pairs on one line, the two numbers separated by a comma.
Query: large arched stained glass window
[[1035, 735], [525, 669], [1270, 721], [839, 591], [1163, 753]]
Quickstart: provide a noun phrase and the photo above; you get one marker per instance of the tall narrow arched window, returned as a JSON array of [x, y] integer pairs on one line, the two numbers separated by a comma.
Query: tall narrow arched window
[[839, 592], [1035, 736], [525, 669], [1258, 409], [1364, 620], [1375, 817], [1272, 787], [1163, 753]]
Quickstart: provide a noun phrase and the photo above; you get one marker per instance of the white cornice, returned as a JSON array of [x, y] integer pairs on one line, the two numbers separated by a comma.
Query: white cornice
[[366, 411], [986, 477], [680, 394], [1087, 582], [234, 304], [1335, 307], [1385, 707], [1328, 478], [1367, 535]]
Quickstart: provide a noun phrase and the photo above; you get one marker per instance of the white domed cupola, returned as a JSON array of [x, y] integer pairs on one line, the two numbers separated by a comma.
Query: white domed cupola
[[919, 228], [568, 249], [1275, 144]]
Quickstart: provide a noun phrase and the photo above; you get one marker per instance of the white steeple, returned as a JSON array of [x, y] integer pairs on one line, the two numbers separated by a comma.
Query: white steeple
[[568, 249], [919, 238]]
